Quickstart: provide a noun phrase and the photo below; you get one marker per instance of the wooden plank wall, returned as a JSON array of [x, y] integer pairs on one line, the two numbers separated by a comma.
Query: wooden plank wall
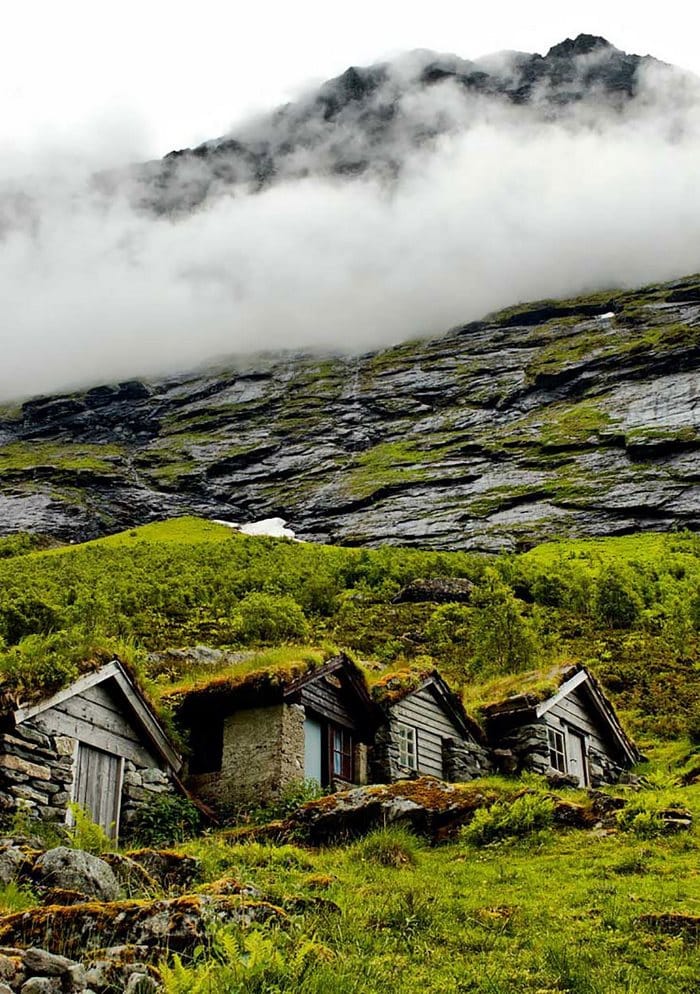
[[323, 698], [97, 717], [574, 711], [422, 711]]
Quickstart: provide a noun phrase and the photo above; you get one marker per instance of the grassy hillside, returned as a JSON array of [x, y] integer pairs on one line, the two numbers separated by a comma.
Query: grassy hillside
[[533, 908], [630, 607]]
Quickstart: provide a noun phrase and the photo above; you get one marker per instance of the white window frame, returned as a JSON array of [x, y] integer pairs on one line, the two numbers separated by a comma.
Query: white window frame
[[556, 743], [407, 737]]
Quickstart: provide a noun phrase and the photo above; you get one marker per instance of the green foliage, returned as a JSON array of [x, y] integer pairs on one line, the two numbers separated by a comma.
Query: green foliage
[[266, 619], [165, 820], [85, 834], [504, 639], [616, 602], [16, 897], [642, 816], [389, 846], [525, 815]]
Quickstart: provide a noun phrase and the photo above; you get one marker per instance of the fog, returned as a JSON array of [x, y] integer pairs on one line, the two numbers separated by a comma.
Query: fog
[[508, 204]]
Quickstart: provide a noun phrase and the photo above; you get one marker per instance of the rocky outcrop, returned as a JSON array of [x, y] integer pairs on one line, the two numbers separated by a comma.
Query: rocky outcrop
[[364, 120], [73, 869], [557, 418]]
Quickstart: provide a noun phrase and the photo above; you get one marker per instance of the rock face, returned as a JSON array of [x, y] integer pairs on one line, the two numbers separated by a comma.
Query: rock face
[[365, 120], [556, 418]]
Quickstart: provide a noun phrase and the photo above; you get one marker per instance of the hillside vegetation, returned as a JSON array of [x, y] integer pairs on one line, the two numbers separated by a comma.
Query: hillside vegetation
[[515, 903], [629, 606]]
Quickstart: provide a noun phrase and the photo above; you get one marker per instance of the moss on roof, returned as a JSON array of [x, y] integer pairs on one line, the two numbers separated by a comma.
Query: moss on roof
[[533, 687], [262, 678], [397, 684]]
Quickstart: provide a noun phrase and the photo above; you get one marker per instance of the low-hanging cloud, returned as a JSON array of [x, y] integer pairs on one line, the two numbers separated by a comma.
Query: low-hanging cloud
[[509, 204]]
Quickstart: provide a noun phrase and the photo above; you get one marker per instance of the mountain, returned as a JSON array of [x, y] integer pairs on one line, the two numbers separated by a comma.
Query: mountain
[[555, 418], [367, 119]]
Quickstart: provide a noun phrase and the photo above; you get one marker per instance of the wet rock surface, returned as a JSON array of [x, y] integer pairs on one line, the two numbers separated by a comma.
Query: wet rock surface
[[564, 418]]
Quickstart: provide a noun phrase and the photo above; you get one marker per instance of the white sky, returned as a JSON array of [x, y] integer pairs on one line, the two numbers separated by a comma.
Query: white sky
[[140, 77]]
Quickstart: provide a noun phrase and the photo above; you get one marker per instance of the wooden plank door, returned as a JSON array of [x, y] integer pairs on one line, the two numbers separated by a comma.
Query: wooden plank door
[[577, 756], [98, 786]]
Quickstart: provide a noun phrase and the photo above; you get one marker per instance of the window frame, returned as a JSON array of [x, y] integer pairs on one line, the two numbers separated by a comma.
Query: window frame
[[341, 746], [556, 744], [407, 741]]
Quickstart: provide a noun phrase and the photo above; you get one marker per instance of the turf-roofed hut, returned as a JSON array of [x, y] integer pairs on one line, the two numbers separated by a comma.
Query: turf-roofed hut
[[253, 733], [561, 725], [425, 731], [96, 742]]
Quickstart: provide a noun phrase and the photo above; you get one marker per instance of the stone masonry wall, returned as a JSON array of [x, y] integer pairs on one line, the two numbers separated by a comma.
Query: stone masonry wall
[[36, 773], [141, 786], [466, 760], [263, 751]]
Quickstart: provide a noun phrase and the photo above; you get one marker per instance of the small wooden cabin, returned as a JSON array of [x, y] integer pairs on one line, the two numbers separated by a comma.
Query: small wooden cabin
[[425, 731], [252, 735], [97, 742], [569, 729]]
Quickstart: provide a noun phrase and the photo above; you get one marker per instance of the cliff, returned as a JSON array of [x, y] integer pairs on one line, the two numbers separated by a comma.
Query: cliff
[[555, 418]]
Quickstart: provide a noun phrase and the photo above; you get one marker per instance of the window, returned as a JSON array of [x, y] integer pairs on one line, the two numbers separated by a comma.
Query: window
[[408, 749], [557, 751], [341, 753]]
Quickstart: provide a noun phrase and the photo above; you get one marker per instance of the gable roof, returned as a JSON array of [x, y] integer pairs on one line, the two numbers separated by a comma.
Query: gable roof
[[238, 688], [135, 702], [521, 709], [394, 687]]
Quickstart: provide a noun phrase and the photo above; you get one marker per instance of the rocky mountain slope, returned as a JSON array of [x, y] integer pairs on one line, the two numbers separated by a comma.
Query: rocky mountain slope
[[369, 118], [556, 418]]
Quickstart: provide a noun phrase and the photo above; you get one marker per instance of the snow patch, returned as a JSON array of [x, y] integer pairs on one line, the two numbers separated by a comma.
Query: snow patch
[[274, 527]]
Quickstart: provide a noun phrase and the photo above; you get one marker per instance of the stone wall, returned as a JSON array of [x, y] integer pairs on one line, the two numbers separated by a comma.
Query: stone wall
[[527, 748], [36, 776], [36, 773], [466, 760], [263, 752]]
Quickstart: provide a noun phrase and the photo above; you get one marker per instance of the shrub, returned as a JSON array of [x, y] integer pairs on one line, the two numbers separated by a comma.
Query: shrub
[[165, 820], [86, 834], [525, 815], [616, 604], [504, 640], [292, 797], [390, 846], [268, 619]]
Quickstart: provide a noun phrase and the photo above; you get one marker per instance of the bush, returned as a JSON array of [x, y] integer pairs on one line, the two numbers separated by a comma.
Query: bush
[[165, 820], [292, 797], [504, 640], [392, 846], [525, 815], [84, 833], [617, 604], [269, 620]]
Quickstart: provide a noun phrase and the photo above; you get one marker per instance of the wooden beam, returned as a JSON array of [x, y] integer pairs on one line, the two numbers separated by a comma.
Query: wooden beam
[[82, 683], [576, 680]]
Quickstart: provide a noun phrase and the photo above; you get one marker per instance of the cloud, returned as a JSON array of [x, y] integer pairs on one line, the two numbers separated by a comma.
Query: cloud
[[507, 204]]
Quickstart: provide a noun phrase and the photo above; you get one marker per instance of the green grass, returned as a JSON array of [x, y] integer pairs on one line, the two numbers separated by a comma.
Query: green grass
[[556, 912], [22, 456]]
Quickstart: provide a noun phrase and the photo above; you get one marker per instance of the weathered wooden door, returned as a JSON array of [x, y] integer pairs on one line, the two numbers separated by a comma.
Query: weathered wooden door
[[98, 786], [576, 748]]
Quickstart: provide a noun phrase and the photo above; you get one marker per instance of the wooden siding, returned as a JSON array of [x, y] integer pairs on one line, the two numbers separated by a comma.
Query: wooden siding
[[322, 698], [97, 717], [575, 712], [422, 711]]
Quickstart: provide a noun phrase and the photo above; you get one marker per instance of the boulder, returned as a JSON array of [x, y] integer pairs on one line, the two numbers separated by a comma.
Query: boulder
[[12, 861], [176, 924], [437, 590], [170, 869], [75, 870], [428, 806]]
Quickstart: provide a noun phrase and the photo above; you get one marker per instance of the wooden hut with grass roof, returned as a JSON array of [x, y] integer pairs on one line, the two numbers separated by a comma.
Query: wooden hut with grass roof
[[96, 742], [425, 730], [562, 725], [256, 731]]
